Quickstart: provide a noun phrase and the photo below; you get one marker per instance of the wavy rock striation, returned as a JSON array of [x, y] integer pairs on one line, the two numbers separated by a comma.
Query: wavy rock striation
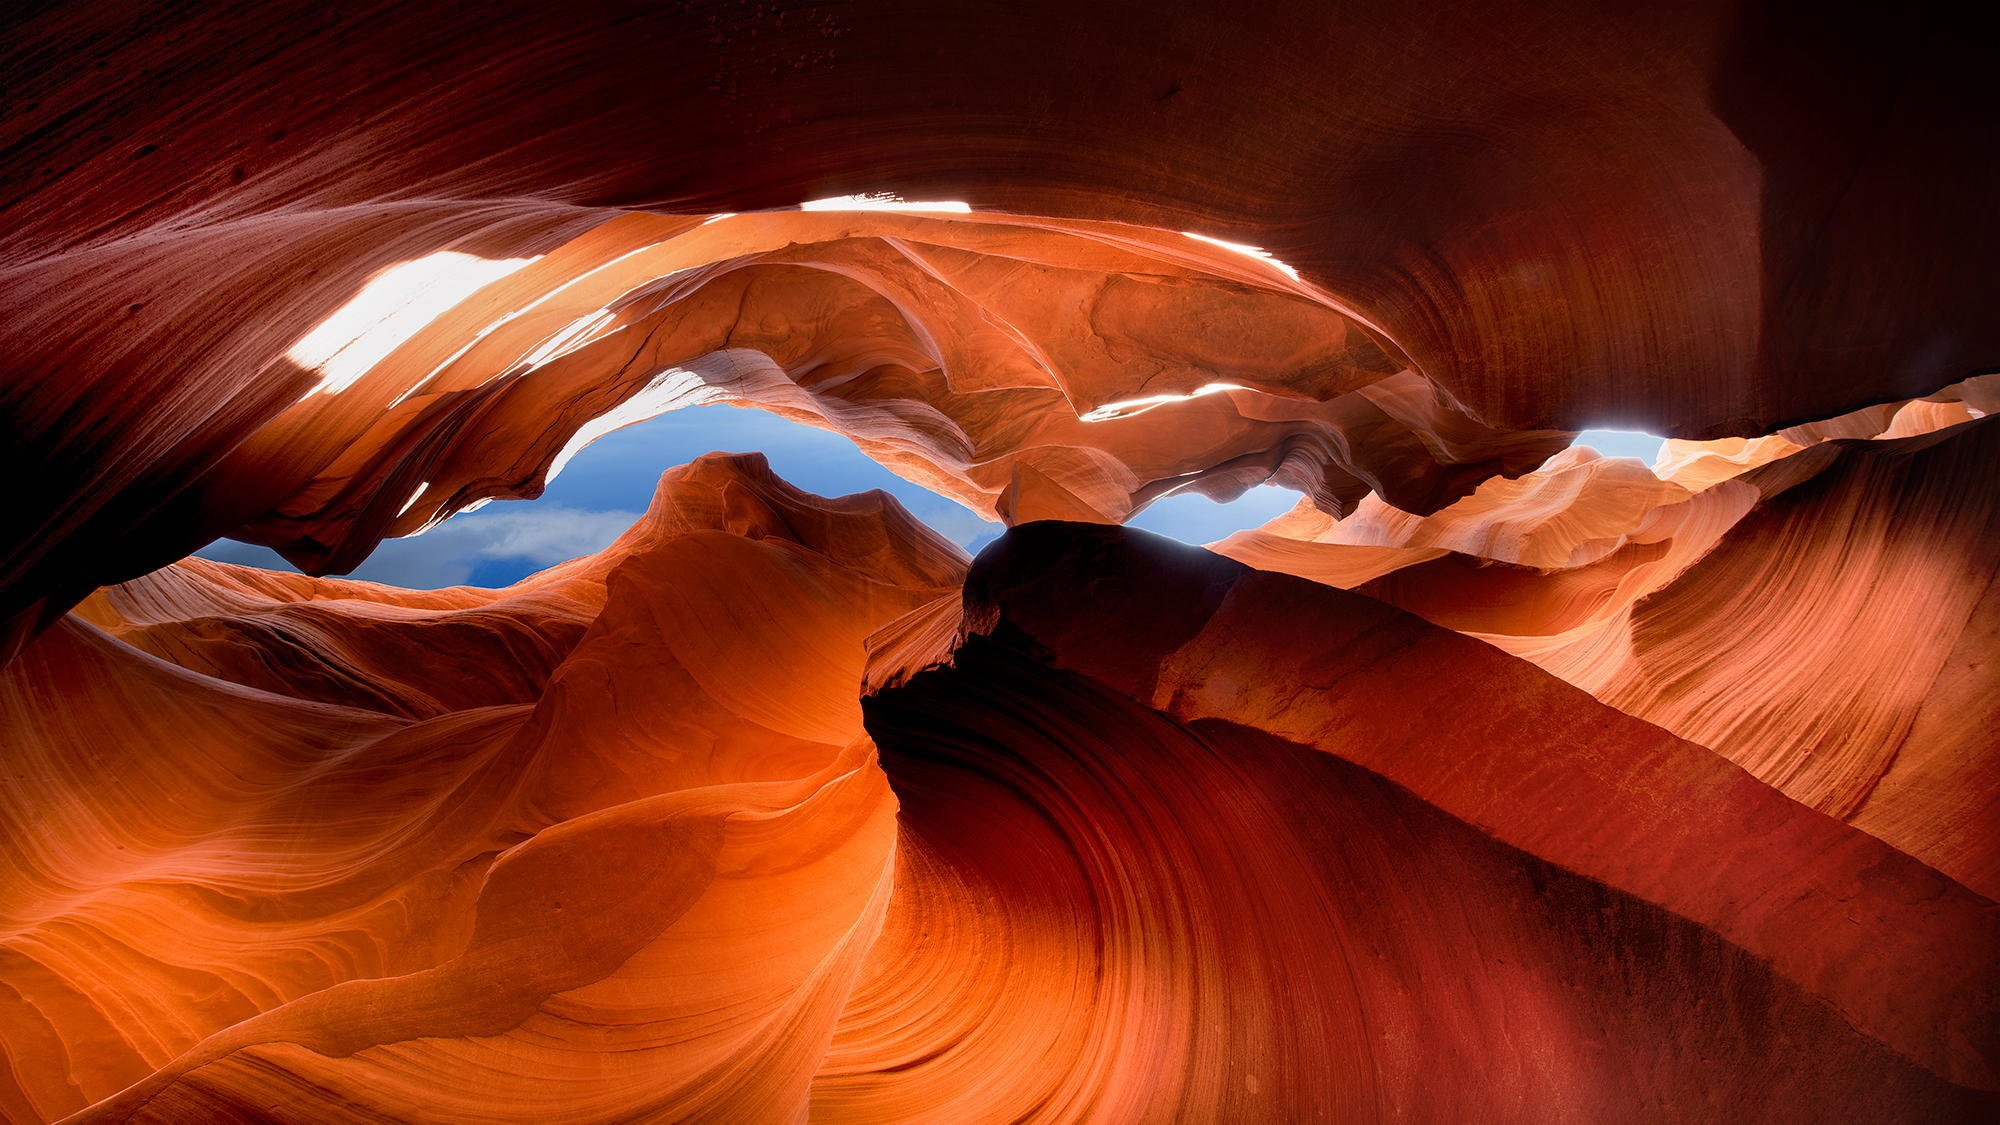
[[1821, 618], [620, 847], [1538, 786], [1126, 917], [1029, 368], [1701, 220], [641, 891], [623, 851], [1888, 942], [1720, 217]]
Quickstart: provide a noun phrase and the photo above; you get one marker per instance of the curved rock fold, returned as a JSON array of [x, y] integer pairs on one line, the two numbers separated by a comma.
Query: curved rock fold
[[1497, 781]]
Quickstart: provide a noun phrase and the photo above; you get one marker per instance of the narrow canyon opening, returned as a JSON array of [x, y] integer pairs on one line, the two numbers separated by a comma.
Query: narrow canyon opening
[[1302, 561]]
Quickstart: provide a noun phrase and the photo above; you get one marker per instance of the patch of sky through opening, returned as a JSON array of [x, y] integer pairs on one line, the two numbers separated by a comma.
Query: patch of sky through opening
[[607, 486], [1622, 443], [1193, 518]]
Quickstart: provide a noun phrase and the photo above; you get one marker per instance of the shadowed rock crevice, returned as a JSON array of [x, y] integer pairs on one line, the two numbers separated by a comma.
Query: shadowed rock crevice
[[1496, 780]]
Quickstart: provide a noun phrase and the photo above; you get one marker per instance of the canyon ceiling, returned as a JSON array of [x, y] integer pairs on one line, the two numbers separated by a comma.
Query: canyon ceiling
[[1496, 781]]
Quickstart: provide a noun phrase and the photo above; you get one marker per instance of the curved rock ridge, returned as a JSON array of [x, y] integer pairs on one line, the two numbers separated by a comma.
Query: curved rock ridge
[[1820, 619], [1560, 215], [1892, 946], [1581, 506], [1839, 643], [1699, 221], [614, 844], [1028, 368], [1496, 782], [1160, 853], [576, 862], [1003, 361], [1104, 914]]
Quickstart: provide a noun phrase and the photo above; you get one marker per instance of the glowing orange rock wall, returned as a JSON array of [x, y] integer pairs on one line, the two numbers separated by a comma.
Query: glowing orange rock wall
[[1535, 788], [637, 883], [1821, 620], [1554, 219], [1032, 766], [1154, 849], [1031, 369]]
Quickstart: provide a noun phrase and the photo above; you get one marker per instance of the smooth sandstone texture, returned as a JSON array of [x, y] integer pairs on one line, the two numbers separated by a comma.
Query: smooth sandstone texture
[[1821, 619], [635, 884], [1742, 212], [1900, 950], [1160, 853], [1538, 786], [1101, 940], [1710, 219], [1032, 369]]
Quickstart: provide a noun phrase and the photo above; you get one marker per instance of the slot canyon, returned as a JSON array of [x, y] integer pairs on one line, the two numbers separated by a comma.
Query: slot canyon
[[1495, 779]]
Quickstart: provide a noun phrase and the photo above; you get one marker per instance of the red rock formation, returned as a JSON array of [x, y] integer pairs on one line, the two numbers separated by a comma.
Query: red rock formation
[[1124, 917], [1721, 212], [663, 851], [1559, 217], [1566, 789], [1844, 633], [637, 883], [1030, 369], [1523, 757], [1821, 620]]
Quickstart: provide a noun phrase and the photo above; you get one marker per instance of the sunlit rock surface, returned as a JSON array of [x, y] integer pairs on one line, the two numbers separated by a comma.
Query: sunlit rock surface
[[1044, 705], [1030, 369], [1672, 219], [1069, 921], [1498, 781], [1823, 619], [612, 845]]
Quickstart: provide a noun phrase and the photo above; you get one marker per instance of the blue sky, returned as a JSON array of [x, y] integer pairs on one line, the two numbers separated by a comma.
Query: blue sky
[[607, 485], [1622, 443]]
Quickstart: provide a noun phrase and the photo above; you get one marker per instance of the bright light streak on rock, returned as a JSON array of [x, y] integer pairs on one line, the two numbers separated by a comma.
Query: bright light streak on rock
[[394, 306], [1131, 407], [414, 497], [883, 201], [576, 334], [670, 390], [1247, 251]]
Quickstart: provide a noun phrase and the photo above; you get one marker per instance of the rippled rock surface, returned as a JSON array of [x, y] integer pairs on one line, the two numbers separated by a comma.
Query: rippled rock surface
[[1497, 781]]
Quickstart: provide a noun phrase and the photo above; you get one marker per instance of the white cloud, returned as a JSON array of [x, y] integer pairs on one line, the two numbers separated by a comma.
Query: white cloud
[[541, 536], [546, 535]]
